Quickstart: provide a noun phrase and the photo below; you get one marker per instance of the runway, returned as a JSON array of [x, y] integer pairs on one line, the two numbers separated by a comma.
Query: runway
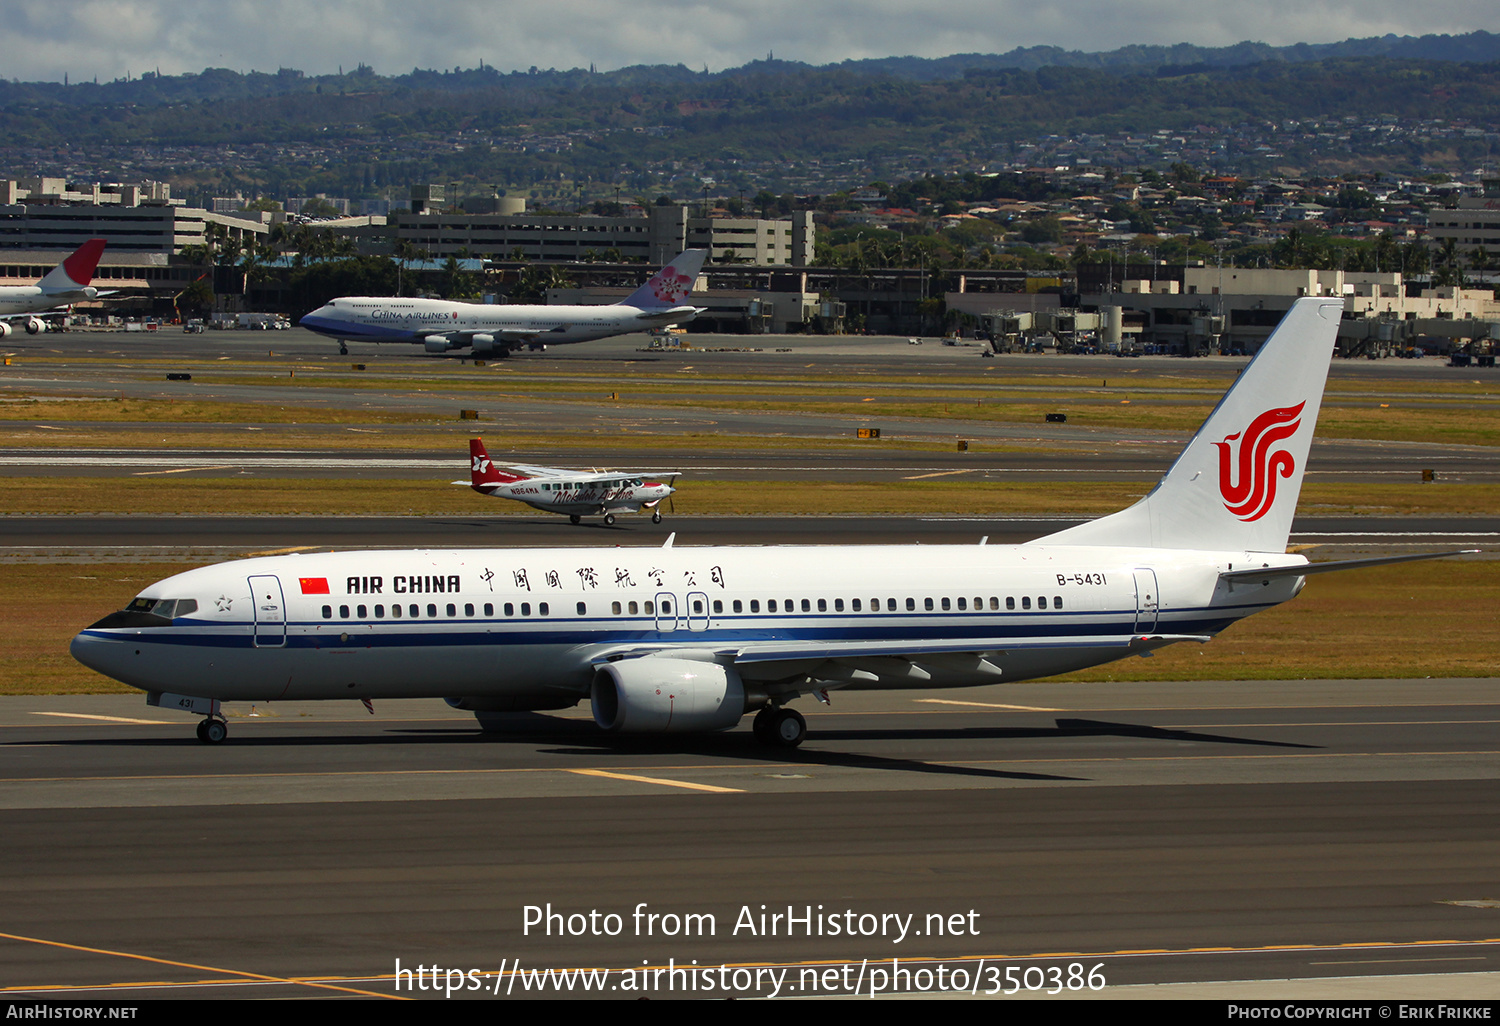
[[1244, 839], [129, 537], [1141, 459], [1240, 831], [241, 367]]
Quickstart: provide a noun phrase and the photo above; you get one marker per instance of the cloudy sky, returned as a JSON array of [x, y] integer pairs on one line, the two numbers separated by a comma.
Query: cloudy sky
[[108, 38]]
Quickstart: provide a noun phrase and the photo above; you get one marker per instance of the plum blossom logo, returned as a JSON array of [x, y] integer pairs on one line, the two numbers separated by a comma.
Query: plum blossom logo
[[669, 286], [1247, 479]]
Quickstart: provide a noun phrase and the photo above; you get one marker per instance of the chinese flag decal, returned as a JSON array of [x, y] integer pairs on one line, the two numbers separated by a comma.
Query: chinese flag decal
[[314, 585]]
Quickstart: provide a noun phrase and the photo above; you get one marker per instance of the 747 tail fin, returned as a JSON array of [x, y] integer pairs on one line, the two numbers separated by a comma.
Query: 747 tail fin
[[1235, 486], [76, 271], [670, 286]]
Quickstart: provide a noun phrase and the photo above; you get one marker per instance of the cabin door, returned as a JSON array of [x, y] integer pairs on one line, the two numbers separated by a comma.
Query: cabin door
[[270, 611], [1147, 601]]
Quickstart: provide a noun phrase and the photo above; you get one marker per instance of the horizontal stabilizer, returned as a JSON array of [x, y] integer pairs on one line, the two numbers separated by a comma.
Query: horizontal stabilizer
[[1307, 569], [675, 311]]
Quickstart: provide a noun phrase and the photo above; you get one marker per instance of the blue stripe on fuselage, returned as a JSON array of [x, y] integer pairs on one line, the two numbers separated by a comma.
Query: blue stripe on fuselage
[[354, 330], [580, 631]]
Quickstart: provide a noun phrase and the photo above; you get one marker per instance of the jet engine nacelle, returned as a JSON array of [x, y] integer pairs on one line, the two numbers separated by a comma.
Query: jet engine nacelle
[[484, 345], [440, 344], [5, 330], [660, 694], [35, 326]]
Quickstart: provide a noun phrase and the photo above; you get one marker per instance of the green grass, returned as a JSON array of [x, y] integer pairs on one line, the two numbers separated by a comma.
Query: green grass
[[1417, 620], [1440, 418], [255, 495]]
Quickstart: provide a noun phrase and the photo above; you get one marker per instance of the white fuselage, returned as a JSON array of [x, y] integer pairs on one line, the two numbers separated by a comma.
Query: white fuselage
[[416, 320], [531, 626], [19, 299], [584, 496]]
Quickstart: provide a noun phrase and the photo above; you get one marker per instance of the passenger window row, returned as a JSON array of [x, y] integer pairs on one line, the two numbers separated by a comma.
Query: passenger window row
[[663, 607], [855, 605], [413, 611]]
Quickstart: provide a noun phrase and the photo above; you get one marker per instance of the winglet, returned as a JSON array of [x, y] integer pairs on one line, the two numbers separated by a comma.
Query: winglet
[[668, 286], [483, 477], [77, 270]]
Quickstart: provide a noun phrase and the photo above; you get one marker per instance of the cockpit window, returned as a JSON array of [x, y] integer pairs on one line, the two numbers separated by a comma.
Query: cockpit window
[[163, 607]]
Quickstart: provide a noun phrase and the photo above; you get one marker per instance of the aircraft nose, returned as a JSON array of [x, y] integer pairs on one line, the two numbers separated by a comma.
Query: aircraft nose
[[113, 657], [94, 652]]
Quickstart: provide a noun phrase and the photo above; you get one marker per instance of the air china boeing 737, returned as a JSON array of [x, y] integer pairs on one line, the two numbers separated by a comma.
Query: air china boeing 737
[[692, 639], [492, 330]]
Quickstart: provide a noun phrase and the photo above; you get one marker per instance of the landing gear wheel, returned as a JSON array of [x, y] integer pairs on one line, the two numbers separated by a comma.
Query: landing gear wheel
[[761, 725], [789, 729], [213, 732], [780, 728], [609, 518], [656, 516], [343, 349], [574, 517]]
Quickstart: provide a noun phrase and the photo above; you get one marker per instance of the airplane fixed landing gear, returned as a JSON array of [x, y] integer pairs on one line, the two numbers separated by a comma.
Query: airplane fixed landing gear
[[212, 729], [779, 728], [656, 516]]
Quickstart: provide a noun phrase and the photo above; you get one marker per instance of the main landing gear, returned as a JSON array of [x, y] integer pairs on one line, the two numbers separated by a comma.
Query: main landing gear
[[212, 731], [609, 519], [779, 728]]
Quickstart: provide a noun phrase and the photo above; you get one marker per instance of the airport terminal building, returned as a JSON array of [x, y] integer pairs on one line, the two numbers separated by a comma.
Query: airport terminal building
[[509, 233]]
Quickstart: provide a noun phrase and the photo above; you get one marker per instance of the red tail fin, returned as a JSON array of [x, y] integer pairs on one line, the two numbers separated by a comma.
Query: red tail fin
[[81, 265], [483, 477]]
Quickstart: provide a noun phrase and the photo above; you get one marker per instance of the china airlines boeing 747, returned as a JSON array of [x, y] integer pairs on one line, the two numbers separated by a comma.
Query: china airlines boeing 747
[[492, 330], [693, 639]]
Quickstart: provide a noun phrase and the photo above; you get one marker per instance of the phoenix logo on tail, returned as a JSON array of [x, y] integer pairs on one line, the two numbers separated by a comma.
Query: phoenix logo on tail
[[1251, 495]]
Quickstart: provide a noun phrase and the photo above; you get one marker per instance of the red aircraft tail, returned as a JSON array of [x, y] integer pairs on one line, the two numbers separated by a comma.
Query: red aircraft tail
[[483, 477], [77, 270]]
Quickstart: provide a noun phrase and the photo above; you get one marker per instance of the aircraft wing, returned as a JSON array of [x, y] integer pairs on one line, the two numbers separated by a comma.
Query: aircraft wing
[[502, 334], [913, 650], [535, 471], [846, 661], [587, 475]]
